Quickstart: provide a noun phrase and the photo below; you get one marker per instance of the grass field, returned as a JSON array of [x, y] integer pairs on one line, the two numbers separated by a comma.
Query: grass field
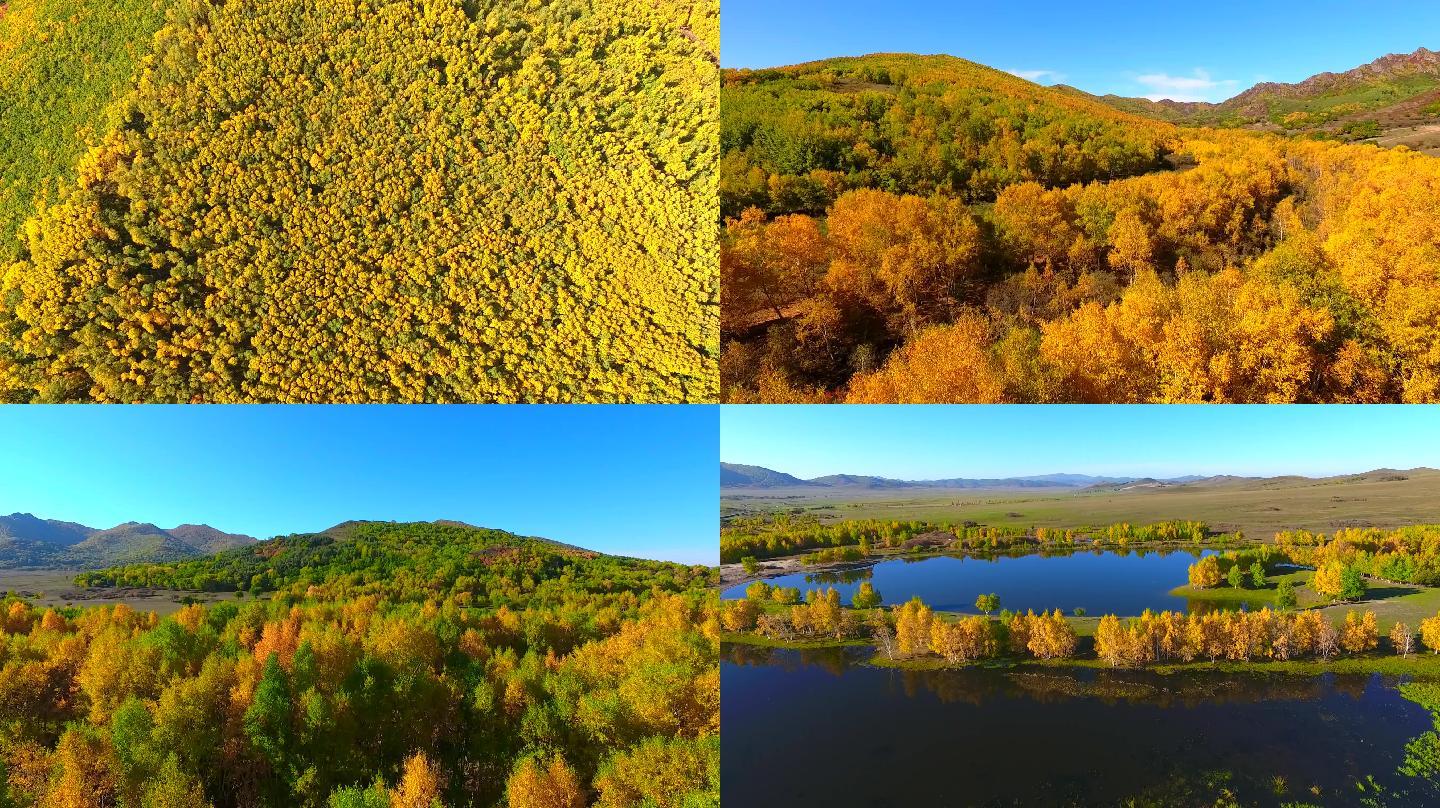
[[1260, 508], [63, 65], [57, 588]]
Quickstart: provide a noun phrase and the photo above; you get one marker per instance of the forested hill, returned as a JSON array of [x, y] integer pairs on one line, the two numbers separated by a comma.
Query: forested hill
[[415, 561], [793, 138], [29, 542], [922, 229]]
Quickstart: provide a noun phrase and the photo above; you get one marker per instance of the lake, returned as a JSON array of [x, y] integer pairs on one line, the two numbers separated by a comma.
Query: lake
[[1101, 583], [816, 728]]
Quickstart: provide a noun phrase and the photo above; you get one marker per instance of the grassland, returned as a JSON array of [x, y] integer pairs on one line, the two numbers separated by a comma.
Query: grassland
[[52, 104], [1258, 507], [46, 588]]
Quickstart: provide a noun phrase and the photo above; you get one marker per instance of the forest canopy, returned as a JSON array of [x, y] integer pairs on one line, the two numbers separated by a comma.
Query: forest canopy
[[923, 229], [387, 201], [419, 666]]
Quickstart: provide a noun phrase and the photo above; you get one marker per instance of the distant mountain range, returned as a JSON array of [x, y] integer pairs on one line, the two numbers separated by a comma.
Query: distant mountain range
[[1399, 91], [27, 541], [735, 475]]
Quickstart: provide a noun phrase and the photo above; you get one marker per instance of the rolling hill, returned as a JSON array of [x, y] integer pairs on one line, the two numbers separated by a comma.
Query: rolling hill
[[29, 542], [406, 561], [733, 475], [1258, 506]]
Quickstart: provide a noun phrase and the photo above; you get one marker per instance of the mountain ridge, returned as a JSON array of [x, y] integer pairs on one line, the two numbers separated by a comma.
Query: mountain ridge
[[30, 542], [1392, 100], [734, 475]]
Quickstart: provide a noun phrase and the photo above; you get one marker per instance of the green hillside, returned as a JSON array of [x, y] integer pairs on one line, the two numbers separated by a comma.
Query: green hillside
[[794, 138], [409, 561], [1397, 91]]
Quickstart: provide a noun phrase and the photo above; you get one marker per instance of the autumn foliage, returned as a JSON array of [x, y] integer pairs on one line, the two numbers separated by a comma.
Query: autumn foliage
[[487, 201], [583, 696], [1086, 256]]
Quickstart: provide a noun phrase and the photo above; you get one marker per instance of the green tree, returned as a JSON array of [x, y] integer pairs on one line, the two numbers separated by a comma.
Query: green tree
[[357, 797], [1236, 577], [865, 596], [1285, 594], [750, 564], [5, 801], [988, 603], [1257, 575], [267, 719], [172, 787], [1352, 584]]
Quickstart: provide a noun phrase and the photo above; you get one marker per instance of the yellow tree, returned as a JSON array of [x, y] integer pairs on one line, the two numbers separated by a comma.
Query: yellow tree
[[1205, 573], [949, 364], [1430, 633], [739, 615], [419, 786], [1359, 633], [1402, 638], [912, 628], [552, 786]]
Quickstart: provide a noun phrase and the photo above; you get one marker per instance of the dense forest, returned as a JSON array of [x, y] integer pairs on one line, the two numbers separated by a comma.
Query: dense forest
[[923, 229], [391, 200], [386, 666]]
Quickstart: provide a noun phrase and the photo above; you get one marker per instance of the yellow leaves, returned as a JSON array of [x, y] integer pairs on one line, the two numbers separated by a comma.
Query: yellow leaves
[[1220, 338], [659, 773], [1430, 633], [943, 364], [1326, 581], [420, 786], [378, 230], [1205, 573], [1261, 270], [912, 628], [550, 786], [1360, 632], [967, 639]]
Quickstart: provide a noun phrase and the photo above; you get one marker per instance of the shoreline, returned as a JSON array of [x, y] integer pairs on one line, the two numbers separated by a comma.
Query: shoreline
[[733, 574], [1418, 666]]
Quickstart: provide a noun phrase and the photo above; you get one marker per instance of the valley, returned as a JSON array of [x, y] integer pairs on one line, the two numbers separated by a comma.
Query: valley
[[1257, 507], [56, 589]]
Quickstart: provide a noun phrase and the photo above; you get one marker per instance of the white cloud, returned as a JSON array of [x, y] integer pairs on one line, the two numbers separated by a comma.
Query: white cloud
[[1196, 87], [1042, 76]]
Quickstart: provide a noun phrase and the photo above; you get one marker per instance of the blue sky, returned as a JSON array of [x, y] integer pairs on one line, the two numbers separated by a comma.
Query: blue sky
[[628, 479], [1184, 51], [917, 442]]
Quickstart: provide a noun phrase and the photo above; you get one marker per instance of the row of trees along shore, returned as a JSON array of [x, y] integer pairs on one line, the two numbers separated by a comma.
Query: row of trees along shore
[[780, 535], [913, 630]]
